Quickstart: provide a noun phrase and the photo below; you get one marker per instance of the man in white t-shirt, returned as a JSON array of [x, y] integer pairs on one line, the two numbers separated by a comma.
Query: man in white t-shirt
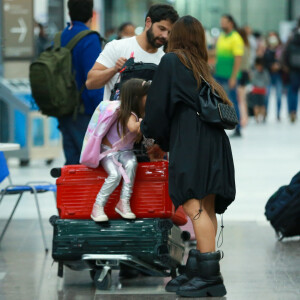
[[146, 47]]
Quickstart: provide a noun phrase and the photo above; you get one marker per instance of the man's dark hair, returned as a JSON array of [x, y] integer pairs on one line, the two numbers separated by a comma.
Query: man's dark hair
[[158, 12], [80, 10], [231, 20]]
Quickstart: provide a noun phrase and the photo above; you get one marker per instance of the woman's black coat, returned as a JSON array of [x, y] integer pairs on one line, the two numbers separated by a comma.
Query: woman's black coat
[[200, 155]]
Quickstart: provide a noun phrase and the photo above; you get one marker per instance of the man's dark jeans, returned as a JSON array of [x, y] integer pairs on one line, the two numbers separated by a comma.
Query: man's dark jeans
[[73, 132], [293, 90]]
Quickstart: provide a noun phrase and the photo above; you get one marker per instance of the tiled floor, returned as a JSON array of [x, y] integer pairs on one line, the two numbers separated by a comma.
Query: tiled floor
[[255, 266]]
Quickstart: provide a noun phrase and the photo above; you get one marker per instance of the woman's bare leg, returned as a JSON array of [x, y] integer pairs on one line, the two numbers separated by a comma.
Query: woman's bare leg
[[204, 222]]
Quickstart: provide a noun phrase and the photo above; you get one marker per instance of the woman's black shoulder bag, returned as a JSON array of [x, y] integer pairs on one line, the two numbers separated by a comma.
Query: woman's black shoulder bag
[[211, 109]]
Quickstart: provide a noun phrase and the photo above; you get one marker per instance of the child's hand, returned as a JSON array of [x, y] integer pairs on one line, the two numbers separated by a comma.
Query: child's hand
[[133, 125]]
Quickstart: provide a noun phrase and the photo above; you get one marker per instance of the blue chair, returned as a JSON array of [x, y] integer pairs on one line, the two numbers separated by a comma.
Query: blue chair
[[34, 188]]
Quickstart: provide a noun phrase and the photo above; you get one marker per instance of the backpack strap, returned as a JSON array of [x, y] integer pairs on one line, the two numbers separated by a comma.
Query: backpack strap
[[72, 43], [57, 40]]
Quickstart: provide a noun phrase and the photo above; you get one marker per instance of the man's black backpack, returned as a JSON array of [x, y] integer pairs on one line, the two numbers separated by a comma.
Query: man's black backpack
[[130, 70], [293, 53], [52, 78]]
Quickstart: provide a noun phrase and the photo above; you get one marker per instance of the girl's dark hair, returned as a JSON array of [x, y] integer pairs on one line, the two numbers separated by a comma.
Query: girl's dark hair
[[187, 41], [244, 35], [132, 92], [231, 20], [158, 12], [80, 10]]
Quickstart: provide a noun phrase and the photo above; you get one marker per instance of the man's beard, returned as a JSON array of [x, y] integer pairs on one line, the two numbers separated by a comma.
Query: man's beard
[[152, 39]]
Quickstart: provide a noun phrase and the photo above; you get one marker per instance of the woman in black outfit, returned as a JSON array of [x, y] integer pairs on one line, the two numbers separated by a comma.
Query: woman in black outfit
[[201, 170]]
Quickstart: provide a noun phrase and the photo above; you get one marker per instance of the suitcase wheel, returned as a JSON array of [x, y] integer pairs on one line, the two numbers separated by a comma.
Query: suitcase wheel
[[102, 278], [55, 172], [186, 236], [53, 219]]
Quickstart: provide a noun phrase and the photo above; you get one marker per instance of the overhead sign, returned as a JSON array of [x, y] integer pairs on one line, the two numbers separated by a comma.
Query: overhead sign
[[18, 28]]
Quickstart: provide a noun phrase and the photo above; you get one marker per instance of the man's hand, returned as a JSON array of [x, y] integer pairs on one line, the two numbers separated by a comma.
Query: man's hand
[[155, 153], [232, 82], [120, 63]]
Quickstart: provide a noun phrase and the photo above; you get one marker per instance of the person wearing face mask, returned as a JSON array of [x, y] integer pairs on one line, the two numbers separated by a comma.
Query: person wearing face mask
[[272, 57], [229, 53], [146, 47]]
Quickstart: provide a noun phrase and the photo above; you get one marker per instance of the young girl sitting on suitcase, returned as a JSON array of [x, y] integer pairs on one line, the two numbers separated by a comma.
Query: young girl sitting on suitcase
[[132, 108]]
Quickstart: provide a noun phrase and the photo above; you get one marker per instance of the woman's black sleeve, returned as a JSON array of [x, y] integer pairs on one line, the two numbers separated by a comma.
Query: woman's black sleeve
[[156, 123]]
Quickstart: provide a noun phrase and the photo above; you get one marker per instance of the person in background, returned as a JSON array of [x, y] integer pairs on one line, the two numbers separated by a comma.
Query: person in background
[[272, 57], [252, 44], [84, 55], [229, 53], [260, 80], [244, 79], [126, 30], [291, 60], [42, 41], [111, 34]]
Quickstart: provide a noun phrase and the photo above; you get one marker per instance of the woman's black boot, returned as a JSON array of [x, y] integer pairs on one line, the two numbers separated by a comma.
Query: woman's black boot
[[191, 270], [208, 282]]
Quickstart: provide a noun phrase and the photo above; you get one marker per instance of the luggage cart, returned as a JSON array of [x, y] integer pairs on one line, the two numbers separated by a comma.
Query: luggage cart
[[167, 263]]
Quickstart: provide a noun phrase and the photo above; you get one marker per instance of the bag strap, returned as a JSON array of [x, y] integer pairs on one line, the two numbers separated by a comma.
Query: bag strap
[[72, 43], [57, 40]]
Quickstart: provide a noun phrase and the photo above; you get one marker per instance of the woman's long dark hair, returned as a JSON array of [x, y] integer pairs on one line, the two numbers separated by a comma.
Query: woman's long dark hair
[[187, 41], [132, 93], [244, 36]]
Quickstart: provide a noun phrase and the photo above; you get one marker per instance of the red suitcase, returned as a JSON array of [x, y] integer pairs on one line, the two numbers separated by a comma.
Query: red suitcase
[[78, 186]]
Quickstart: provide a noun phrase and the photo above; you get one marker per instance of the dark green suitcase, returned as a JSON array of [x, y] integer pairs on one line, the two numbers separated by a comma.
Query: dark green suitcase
[[155, 241]]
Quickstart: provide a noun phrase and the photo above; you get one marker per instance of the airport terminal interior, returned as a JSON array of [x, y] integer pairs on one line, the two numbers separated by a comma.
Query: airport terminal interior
[[256, 264]]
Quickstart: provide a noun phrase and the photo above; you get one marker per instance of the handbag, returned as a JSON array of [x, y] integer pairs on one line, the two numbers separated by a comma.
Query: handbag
[[211, 109]]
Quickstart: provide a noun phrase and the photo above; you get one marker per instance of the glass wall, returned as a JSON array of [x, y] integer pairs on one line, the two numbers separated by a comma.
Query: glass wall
[[261, 15]]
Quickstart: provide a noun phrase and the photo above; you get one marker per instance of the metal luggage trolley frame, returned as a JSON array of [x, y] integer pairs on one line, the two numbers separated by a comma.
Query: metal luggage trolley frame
[[103, 264]]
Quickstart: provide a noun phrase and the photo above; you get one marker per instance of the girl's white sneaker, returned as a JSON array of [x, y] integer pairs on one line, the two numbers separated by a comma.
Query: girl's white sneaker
[[98, 214], [123, 209]]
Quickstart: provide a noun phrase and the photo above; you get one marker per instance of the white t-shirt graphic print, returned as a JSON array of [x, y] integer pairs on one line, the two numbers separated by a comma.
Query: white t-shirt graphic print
[[123, 48]]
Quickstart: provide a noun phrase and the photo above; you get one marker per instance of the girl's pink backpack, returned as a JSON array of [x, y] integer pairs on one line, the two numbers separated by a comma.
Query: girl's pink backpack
[[102, 119]]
